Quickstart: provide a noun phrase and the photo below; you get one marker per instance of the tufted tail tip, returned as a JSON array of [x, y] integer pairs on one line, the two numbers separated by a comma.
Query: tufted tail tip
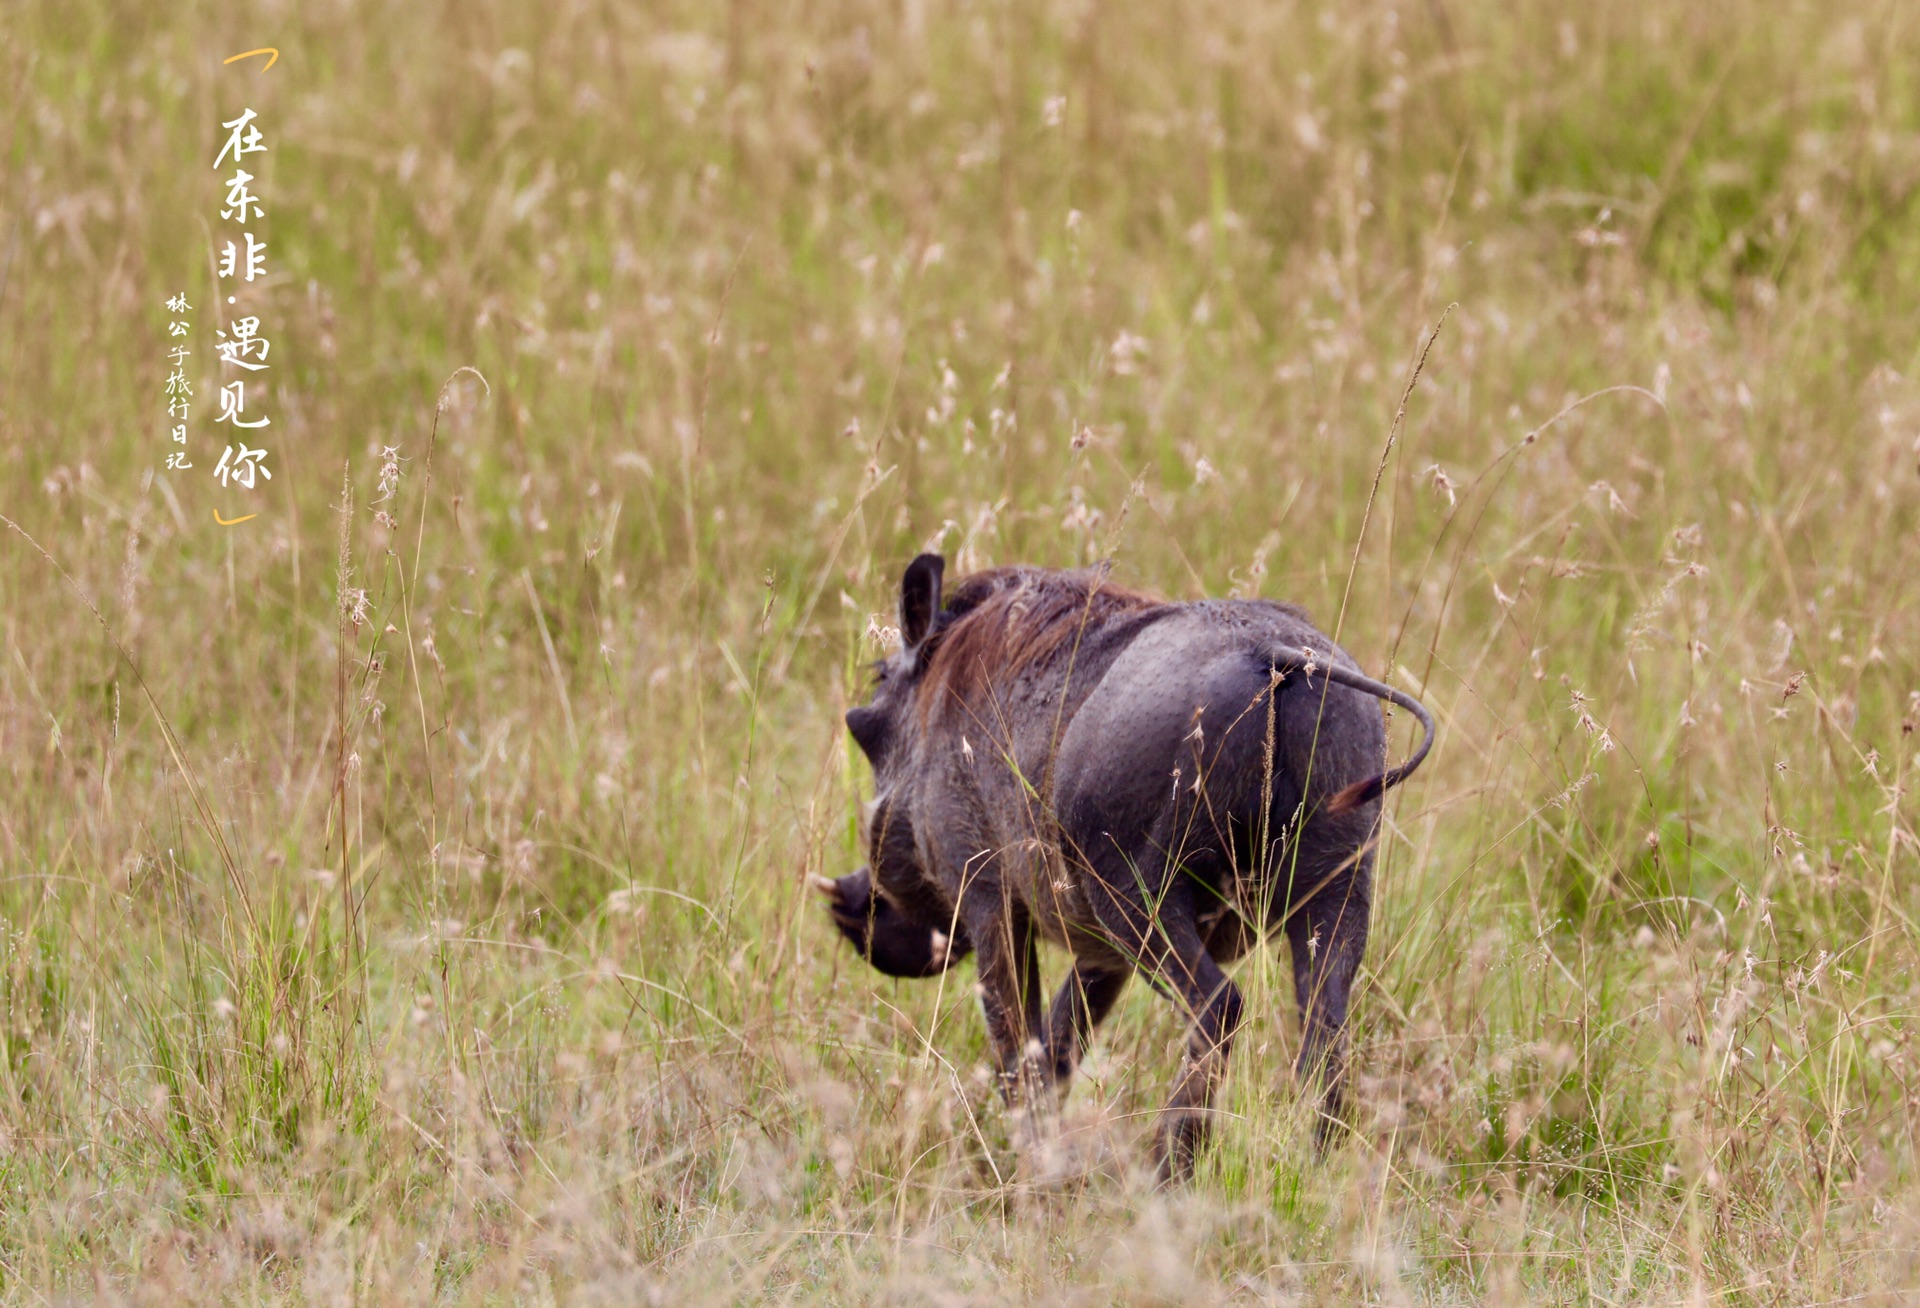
[[1360, 792]]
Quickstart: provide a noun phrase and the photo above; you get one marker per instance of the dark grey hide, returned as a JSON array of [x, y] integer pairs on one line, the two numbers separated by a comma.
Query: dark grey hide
[[1155, 786]]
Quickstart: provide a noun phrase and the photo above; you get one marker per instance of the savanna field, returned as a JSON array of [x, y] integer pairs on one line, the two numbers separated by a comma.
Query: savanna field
[[405, 893]]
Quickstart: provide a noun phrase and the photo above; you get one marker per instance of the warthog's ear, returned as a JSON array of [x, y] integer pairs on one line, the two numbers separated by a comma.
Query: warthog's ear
[[869, 727], [920, 597]]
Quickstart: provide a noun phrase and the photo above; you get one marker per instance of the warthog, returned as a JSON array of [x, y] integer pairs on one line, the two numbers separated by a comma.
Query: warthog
[[1153, 785]]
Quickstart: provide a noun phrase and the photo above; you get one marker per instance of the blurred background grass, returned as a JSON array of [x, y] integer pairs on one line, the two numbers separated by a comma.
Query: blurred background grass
[[463, 950]]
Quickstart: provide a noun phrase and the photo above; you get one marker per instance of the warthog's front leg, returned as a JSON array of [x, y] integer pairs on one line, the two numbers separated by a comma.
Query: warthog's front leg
[[1328, 938], [1009, 985]]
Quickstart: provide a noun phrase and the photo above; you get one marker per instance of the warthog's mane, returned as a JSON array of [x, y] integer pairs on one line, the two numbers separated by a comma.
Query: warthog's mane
[[1001, 621]]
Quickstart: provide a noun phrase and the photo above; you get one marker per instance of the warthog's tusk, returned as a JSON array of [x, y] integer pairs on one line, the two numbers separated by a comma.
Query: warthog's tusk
[[825, 885], [940, 946]]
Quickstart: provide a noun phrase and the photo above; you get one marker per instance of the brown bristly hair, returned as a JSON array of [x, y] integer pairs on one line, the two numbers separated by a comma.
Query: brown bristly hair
[[1000, 621]]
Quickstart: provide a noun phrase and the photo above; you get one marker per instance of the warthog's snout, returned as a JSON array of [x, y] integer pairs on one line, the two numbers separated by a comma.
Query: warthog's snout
[[885, 936]]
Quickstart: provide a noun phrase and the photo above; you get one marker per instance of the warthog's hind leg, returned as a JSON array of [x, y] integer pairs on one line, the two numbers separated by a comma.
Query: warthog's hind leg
[[1328, 938], [1213, 1005], [1146, 909], [1082, 1003]]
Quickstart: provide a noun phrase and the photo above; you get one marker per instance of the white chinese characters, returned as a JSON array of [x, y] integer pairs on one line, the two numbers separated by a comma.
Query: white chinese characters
[[243, 260], [178, 390], [233, 403], [241, 466]]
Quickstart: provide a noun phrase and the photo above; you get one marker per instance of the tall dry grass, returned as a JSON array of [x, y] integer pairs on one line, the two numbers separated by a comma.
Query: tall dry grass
[[438, 928]]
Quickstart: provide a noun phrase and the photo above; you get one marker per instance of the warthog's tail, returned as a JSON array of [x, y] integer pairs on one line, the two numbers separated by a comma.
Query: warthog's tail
[[1290, 659]]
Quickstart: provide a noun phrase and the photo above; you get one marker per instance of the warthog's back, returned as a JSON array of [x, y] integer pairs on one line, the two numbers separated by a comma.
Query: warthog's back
[[1179, 747]]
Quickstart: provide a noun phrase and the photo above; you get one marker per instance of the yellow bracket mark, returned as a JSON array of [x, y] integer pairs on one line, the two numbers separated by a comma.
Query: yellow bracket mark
[[233, 522], [273, 57]]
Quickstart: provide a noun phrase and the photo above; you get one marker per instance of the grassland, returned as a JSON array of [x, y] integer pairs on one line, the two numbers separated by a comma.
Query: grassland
[[404, 897]]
